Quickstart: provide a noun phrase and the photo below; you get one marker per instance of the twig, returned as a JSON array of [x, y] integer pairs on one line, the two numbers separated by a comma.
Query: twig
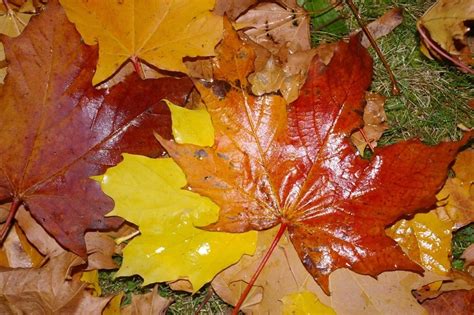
[[206, 299], [355, 11]]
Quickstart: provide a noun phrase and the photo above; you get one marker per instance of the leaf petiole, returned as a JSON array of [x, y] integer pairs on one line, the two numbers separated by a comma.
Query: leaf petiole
[[11, 215], [262, 264]]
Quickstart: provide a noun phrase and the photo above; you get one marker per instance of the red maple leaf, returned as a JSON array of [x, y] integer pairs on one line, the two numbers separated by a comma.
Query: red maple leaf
[[297, 167], [57, 130]]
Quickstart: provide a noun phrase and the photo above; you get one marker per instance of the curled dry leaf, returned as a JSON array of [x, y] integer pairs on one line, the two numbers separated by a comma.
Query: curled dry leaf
[[277, 25], [447, 24], [47, 290], [456, 198], [297, 166], [159, 32], [375, 123], [46, 101], [468, 255]]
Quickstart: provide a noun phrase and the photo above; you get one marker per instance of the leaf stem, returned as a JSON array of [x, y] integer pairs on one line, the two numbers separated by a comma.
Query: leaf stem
[[11, 214], [355, 11], [429, 42], [137, 65], [262, 264]]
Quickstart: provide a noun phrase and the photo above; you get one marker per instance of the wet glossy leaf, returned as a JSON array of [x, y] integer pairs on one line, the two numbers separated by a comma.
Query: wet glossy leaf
[[149, 193], [57, 130], [271, 165], [160, 32], [426, 239]]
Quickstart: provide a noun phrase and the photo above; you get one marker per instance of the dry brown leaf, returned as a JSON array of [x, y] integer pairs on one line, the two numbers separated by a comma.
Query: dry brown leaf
[[384, 25], [14, 18], [275, 26], [460, 302], [446, 24], [468, 255], [125, 70], [374, 123], [232, 8], [100, 246], [456, 198], [351, 293], [150, 303], [456, 280], [17, 252], [46, 290]]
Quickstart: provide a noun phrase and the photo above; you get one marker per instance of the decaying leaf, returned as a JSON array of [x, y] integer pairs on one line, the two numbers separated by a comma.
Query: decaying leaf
[[426, 239], [47, 290], [454, 302], [149, 303], [277, 25], [456, 199], [149, 193], [298, 167], [232, 8], [468, 255], [375, 123], [447, 24], [159, 32], [57, 130]]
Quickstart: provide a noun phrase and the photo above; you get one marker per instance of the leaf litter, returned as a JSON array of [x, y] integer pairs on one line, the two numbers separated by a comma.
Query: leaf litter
[[221, 88]]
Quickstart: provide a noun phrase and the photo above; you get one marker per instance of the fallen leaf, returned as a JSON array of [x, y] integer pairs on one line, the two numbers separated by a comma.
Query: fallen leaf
[[232, 8], [14, 19], [91, 277], [46, 290], [384, 25], [374, 123], [468, 255], [159, 32], [277, 25], [285, 274], [447, 25], [149, 193], [455, 280], [100, 249], [149, 303], [454, 302], [326, 16], [426, 239], [18, 252], [266, 169], [304, 303], [456, 198], [57, 130], [270, 79]]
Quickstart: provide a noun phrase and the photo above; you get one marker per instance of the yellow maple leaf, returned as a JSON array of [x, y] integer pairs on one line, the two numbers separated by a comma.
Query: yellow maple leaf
[[160, 32], [149, 193]]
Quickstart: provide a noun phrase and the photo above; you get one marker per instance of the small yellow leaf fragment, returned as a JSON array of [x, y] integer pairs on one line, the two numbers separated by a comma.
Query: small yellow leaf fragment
[[191, 126], [304, 303], [426, 239], [149, 193], [92, 278], [113, 308]]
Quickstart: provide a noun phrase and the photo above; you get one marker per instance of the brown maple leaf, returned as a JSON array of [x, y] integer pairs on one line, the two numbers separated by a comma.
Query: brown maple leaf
[[298, 168], [56, 130]]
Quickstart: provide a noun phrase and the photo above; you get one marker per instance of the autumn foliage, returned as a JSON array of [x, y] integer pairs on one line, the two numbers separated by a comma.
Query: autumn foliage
[[82, 159]]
